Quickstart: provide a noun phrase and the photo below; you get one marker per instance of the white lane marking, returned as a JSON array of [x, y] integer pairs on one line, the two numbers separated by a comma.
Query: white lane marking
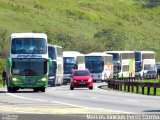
[[71, 94], [26, 97], [72, 105], [131, 101]]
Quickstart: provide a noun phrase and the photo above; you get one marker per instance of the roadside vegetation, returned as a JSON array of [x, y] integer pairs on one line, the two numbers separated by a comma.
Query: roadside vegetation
[[2, 66], [85, 25], [151, 80]]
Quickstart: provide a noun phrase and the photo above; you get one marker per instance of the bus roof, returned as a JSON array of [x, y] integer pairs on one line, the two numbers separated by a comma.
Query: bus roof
[[71, 54], [118, 51], [50, 45], [28, 35], [145, 51], [97, 54]]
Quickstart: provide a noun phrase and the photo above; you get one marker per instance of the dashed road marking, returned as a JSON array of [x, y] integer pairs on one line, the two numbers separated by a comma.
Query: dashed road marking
[[131, 101], [72, 105]]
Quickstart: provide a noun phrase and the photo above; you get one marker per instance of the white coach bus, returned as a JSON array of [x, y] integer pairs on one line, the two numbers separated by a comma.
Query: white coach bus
[[100, 65], [144, 61], [124, 63], [55, 76], [72, 60]]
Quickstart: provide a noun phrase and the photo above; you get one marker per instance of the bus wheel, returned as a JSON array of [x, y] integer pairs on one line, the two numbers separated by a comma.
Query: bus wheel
[[14, 89], [11, 89], [35, 89], [43, 89], [71, 88]]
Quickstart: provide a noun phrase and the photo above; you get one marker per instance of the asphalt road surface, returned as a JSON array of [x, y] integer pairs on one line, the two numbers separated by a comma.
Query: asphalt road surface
[[64, 103]]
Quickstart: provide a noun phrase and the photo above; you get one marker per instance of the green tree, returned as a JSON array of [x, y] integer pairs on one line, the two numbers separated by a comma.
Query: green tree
[[3, 44]]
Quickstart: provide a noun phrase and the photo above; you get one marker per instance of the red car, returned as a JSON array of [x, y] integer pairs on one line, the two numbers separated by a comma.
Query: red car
[[81, 78]]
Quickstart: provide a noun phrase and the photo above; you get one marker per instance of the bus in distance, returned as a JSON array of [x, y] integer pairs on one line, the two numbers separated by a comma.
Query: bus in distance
[[72, 60], [100, 65], [27, 62], [144, 61], [55, 76], [124, 63]]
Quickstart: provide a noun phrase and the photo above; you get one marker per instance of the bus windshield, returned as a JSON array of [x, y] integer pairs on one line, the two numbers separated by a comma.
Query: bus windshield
[[137, 56], [116, 56], [117, 68], [147, 66], [52, 69], [69, 64], [138, 66], [51, 53], [29, 67], [28, 46], [94, 64]]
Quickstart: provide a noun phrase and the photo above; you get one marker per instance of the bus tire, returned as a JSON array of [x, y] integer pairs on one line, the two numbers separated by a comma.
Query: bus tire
[[12, 89], [35, 89], [43, 89], [9, 89], [71, 88]]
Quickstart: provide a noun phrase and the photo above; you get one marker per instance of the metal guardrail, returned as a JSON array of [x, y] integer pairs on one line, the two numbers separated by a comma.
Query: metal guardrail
[[131, 84]]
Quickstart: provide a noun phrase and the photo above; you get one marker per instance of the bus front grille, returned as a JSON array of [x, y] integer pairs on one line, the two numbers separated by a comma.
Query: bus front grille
[[29, 81]]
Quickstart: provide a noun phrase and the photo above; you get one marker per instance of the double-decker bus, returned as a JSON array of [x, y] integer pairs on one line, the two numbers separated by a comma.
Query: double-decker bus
[[124, 63], [55, 76], [72, 60], [28, 62], [100, 65], [144, 61]]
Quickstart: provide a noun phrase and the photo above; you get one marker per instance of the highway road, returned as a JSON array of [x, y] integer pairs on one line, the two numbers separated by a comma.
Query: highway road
[[62, 100]]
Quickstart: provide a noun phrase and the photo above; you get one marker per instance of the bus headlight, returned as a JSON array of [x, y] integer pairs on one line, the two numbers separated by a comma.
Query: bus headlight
[[43, 79], [53, 77], [14, 79]]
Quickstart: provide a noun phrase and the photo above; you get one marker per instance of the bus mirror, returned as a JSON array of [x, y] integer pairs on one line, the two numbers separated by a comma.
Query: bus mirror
[[9, 62], [50, 62]]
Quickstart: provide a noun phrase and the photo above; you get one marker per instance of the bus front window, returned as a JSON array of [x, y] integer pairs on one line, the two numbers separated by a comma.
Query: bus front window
[[69, 64], [116, 56], [138, 66], [28, 46], [51, 53], [147, 66], [52, 69], [94, 64], [137, 56], [117, 68], [29, 67]]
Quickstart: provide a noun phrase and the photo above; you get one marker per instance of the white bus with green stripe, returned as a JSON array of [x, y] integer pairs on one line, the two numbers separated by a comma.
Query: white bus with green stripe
[[124, 63], [28, 62]]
